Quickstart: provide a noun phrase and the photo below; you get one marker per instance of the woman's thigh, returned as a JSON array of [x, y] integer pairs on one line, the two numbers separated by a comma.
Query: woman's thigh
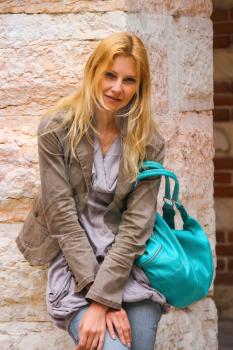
[[144, 317], [109, 343]]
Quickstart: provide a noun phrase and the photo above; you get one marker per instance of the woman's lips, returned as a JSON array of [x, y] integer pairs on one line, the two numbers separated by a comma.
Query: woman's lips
[[114, 99]]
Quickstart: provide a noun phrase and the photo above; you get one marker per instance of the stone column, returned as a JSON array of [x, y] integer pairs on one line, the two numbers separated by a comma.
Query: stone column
[[44, 48]]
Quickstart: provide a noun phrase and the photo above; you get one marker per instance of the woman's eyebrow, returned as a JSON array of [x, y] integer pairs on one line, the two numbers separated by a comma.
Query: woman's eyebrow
[[128, 76]]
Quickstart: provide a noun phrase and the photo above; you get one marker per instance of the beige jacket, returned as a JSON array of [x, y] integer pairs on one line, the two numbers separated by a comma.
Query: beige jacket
[[53, 223]]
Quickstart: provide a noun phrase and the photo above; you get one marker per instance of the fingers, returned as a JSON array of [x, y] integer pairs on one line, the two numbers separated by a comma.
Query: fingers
[[126, 330], [92, 328], [110, 327], [119, 329], [119, 320], [90, 340], [101, 342]]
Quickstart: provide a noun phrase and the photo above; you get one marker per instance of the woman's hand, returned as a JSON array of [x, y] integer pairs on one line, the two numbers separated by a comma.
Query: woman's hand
[[119, 319], [92, 327]]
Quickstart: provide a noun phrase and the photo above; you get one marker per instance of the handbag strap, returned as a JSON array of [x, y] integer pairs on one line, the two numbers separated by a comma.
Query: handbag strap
[[149, 169]]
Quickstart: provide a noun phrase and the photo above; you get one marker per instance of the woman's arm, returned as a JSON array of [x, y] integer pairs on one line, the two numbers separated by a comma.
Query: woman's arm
[[60, 209], [135, 229]]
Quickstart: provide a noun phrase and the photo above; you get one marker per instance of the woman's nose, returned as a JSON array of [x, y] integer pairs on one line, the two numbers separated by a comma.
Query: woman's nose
[[117, 86]]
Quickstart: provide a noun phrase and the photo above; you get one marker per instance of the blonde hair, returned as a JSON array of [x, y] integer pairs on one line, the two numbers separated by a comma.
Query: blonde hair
[[81, 105]]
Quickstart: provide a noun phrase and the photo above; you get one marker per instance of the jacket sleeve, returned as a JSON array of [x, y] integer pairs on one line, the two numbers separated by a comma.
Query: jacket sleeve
[[60, 209], [130, 241]]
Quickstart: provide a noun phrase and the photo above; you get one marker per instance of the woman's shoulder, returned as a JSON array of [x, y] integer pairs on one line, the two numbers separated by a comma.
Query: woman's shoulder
[[53, 121], [156, 141], [155, 149]]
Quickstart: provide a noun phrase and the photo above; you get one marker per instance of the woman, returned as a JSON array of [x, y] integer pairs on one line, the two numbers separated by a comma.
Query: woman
[[94, 227]]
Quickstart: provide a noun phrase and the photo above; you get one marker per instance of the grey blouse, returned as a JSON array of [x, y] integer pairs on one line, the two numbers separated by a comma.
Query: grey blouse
[[61, 299]]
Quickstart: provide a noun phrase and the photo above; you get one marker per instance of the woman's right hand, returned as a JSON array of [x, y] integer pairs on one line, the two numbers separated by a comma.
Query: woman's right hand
[[92, 328], [119, 319]]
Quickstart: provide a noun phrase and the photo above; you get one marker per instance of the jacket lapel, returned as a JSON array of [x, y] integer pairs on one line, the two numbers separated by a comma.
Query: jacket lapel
[[85, 154], [123, 185]]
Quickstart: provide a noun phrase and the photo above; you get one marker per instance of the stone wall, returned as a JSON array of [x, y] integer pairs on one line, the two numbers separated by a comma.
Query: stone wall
[[44, 48]]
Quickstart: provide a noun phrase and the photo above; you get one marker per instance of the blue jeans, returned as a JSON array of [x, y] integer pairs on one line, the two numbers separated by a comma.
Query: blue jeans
[[143, 318]]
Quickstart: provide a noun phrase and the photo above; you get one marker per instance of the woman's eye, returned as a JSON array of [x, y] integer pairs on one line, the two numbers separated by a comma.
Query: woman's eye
[[130, 80], [109, 75]]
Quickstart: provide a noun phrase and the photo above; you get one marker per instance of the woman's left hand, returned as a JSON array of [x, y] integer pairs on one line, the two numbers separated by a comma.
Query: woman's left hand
[[119, 319], [92, 327]]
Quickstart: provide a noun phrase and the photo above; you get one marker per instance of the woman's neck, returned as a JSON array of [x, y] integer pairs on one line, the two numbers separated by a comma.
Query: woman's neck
[[105, 121]]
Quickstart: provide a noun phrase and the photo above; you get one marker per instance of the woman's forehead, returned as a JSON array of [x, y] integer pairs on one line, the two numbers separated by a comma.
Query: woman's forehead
[[123, 64]]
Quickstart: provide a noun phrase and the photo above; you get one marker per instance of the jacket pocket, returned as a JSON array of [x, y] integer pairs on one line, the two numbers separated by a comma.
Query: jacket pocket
[[34, 231], [38, 211]]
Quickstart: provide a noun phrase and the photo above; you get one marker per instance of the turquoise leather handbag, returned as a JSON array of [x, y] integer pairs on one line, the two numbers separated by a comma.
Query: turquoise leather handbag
[[178, 263]]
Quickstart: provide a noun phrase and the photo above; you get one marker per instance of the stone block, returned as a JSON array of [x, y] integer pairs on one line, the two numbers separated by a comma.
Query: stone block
[[190, 67], [19, 170], [180, 51], [192, 328], [199, 8], [155, 38], [54, 7], [43, 56], [21, 284], [189, 152], [176, 8], [33, 335]]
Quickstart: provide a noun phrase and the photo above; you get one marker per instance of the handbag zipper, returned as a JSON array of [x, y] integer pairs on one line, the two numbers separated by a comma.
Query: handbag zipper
[[152, 257]]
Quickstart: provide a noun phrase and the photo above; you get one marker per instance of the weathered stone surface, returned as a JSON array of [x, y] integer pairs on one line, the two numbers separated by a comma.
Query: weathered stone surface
[[155, 36], [21, 284], [193, 328], [57, 6], [182, 48], [202, 8], [40, 64], [33, 72], [18, 30], [189, 145], [176, 8], [19, 170], [33, 335], [190, 64]]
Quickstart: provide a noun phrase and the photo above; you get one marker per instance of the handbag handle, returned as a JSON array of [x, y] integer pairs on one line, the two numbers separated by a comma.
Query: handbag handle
[[150, 169], [156, 165]]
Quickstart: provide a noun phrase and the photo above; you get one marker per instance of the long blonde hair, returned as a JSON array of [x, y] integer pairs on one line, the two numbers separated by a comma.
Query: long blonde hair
[[81, 105]]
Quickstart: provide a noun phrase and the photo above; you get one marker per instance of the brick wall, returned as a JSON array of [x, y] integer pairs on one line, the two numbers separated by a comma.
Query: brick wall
[[223, 116]]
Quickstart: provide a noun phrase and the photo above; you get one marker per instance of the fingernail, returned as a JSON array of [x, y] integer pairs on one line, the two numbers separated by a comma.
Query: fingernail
[[129, 345]]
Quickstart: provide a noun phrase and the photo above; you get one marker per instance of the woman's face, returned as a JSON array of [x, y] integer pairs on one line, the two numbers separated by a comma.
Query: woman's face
[[119, 82]]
